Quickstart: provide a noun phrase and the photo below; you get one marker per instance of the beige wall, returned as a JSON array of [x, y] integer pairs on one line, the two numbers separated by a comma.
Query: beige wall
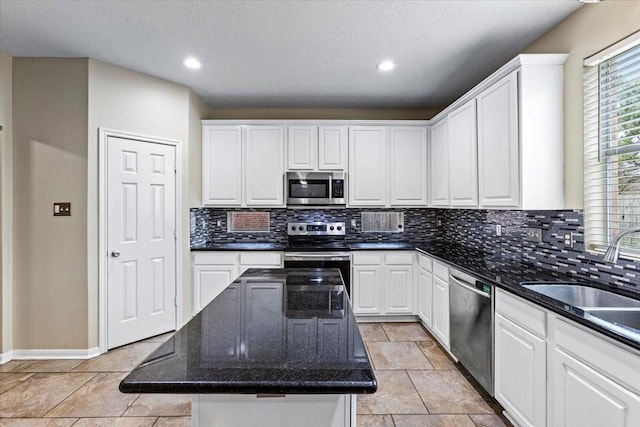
[[49, 165], [6, 202], [590, 29], [322, 113], [132, 102]]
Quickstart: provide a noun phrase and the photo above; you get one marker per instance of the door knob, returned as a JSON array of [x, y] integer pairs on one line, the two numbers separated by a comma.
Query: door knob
[[115, 254]]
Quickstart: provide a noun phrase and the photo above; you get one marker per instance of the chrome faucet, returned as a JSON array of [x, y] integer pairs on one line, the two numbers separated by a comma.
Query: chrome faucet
[[613, 251]]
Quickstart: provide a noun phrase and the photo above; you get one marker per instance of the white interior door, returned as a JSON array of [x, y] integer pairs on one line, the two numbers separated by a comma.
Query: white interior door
[[141, 243]]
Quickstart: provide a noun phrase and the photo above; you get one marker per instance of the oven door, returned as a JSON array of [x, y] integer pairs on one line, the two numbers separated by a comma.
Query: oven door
[[339, 260], [308, 188]]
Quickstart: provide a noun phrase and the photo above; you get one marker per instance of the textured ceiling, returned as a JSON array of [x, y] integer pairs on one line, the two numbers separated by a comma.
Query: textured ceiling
[[291, 53]]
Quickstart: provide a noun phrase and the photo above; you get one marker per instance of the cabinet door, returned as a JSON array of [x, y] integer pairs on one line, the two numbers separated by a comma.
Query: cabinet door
[[408, 166], [441, 310], [302, 147], [366, 289], [367, 171], [520, 372], [209, 281], [265, 321], [439, 165], [498, 144], [463, 156], [425, 297], [583, 396], [264, 166], [333, 147], [398, 297], [222, 165]]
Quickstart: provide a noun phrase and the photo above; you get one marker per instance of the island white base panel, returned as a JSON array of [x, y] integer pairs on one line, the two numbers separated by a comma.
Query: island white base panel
[[249, 410]]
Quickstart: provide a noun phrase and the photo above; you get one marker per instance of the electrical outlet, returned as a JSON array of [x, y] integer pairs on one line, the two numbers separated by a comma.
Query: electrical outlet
[[498, 230], [354, 224], [219, 223], [570, 239], [439, 223], [534, 235]]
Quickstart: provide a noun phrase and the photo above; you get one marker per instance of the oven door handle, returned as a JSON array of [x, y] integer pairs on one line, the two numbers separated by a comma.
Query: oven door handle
[[319, 257]]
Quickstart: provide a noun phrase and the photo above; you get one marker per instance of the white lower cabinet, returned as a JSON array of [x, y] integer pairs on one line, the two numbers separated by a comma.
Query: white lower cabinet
[[213, 271], [520, 359], [382, 282], [592, 382], [440, 322], [425, 290], [550, 371]]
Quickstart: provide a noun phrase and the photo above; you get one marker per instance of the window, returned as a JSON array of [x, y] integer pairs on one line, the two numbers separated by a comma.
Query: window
[[612, 145]]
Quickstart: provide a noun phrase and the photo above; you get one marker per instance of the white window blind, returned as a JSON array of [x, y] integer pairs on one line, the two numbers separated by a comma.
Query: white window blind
[[612, 150]]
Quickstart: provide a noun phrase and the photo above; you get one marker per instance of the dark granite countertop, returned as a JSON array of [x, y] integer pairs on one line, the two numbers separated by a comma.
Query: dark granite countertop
[[511, 274], [508, 274], [243, 246], [265, 333]]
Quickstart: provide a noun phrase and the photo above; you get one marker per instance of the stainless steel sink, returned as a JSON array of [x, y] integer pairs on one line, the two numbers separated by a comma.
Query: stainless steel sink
[[620, 316], [583, 297]]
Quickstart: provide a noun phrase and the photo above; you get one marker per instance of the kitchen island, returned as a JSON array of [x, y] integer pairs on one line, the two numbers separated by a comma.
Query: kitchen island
[[276, 347]]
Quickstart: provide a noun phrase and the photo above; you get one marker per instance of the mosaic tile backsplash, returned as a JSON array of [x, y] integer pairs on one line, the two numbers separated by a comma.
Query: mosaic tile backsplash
[[466, 227]]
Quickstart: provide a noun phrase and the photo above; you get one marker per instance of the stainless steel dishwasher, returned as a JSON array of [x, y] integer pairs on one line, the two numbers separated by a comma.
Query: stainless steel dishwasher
[[471, 309]]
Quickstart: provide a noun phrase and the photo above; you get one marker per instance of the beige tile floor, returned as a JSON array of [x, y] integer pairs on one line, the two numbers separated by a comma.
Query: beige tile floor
[[418, 386]]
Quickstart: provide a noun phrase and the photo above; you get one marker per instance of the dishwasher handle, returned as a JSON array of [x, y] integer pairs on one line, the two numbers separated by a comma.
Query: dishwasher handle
[[469, 287]]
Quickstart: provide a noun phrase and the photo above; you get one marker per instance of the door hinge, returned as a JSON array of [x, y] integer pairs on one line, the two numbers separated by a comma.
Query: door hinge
[[175, 301]]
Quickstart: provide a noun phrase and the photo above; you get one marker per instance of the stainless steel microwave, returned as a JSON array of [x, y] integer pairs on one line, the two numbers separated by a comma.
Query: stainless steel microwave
[[316, 188]]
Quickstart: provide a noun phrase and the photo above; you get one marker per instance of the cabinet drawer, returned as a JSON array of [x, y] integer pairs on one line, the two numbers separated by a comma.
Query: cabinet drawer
[[261, 259], [215, 258], [610, 359], [425, 263], [399, 258], [367, 258], [521, 312], [441, 271]]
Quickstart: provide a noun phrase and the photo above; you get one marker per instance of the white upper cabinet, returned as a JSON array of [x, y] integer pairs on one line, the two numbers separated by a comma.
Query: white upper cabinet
[[333, 147], [367, 166], [317, 148], [498, 147], [302, 147], [264, 165], [439, 164], [243, 165], [518, 130], [222, 166], [408, 166], [463, 156], [521, 137]]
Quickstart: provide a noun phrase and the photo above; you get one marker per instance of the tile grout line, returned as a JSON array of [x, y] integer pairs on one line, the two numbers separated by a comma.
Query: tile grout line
[[68, 396]]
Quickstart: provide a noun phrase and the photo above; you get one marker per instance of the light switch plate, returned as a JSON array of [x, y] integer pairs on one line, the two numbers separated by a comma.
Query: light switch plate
[[62, 209], [534, 235]]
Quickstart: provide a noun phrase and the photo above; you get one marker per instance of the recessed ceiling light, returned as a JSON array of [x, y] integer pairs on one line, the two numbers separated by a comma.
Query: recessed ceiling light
[[192, 63], [386, 66], [589, 1]]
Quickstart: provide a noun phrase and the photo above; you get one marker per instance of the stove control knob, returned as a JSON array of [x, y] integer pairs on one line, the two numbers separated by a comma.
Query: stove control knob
[[339, 227], [331, 228], [301, 228], [293, 228]]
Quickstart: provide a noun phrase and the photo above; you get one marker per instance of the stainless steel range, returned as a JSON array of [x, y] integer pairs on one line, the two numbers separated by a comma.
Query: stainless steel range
[[319, 245]]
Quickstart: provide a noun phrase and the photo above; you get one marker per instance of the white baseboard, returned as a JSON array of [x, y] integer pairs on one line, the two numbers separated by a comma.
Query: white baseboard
[[55, 354], [6, 357], [369, 318]]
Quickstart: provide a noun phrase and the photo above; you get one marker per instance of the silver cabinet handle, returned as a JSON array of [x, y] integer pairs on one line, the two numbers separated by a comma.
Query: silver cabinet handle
[[115, 254]]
